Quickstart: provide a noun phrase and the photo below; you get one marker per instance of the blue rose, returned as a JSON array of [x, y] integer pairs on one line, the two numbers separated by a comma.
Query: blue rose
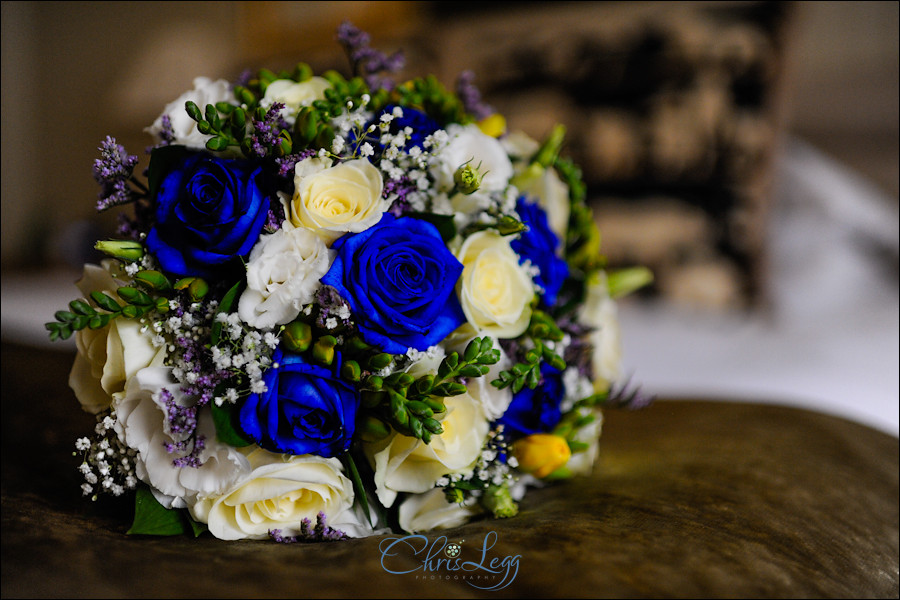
[[208, 211], [306, 409], [540, 245], [537, 410], [398, 278]]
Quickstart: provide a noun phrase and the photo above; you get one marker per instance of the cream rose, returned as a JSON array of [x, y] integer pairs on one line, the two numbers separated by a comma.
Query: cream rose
[[294, 95], [280, 491], [142, 423], [334, 200], [599, 312], [406, 464], [495, 291], [108, 357], [283, 274], [428, 511], [206, 91]]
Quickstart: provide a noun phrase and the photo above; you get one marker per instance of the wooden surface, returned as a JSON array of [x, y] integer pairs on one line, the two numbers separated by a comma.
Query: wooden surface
[[688, 498]]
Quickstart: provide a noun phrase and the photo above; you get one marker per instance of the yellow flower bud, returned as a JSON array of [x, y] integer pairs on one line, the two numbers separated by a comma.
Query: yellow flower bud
[[494, 125], [541, 453]]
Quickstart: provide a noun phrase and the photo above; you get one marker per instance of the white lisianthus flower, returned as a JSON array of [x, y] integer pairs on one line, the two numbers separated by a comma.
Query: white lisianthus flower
[[283, 273], [407, 464], [552, 194], [429, 511], [108, 357], [468, 144], [334, 200], [581, 463], [143, 424], [294, 95], [206, 91], [279, 492], [599, 312], [494, 290]]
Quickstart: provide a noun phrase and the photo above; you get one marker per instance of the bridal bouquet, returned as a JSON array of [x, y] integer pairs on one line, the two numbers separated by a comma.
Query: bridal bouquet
[[341, 306]]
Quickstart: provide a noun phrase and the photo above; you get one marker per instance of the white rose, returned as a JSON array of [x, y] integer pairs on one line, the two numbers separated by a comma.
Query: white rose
[[428, 511], [108, 357], [468, 144], [280, 491], [294, 95], [407, 464], [283, 274], [334, 200], [143, 424], [545, 186], [206, 91], [599, 312], [495, 291]]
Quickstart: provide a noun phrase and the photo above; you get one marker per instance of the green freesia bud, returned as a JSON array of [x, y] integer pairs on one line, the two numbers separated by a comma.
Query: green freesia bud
[[351, 370], [297, 336], [380, 361], [153, 280], [196, 287], [467, 179], [323, 350], [506, 225], [497, 499], [373, 429], [454, 495], [124, 249]]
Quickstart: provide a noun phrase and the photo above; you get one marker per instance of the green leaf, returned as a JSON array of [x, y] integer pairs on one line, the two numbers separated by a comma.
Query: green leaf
[[626, 281], [224, 307], [227, 429], [443, 223], [152, 518], [197, 528], [359, 490]]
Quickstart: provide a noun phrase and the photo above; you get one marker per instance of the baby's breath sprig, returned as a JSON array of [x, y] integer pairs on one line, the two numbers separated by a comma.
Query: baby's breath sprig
[[107, 464], [489, 479]]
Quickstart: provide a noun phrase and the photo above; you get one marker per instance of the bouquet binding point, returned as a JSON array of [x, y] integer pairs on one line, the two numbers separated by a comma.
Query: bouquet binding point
[[341, 306]]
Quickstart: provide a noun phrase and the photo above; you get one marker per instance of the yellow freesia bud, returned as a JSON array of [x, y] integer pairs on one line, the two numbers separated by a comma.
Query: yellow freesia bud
[[494, 125], [541, 453]]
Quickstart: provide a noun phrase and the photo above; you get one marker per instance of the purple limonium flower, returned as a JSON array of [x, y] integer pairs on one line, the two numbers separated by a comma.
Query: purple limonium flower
[[113, 171], [320, 533], [471, 96], [366, 61]]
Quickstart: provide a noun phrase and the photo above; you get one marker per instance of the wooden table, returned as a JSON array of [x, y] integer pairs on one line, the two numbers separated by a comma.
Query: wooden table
[[689, 498]]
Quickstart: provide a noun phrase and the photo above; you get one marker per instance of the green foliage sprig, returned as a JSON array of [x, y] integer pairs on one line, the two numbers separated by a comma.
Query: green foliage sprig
[[541, 329], [136, 304], [413, 406]]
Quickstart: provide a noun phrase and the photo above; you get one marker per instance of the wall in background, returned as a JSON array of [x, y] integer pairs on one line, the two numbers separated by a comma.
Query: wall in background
[[76, 72]]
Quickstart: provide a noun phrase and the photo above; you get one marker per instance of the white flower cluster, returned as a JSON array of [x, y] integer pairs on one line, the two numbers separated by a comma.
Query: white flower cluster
[[108, 464]]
